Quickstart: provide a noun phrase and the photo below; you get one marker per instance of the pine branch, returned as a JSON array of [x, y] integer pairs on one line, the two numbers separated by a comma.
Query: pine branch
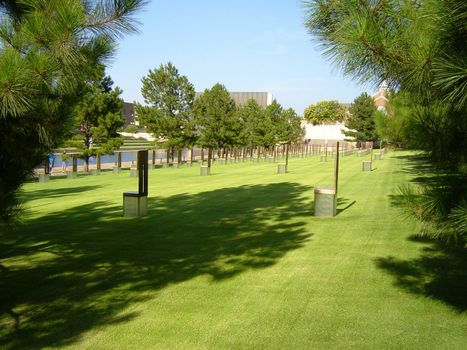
[[112, 17]]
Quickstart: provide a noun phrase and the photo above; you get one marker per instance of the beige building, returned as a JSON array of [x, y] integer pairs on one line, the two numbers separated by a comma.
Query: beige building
[[262, 98]]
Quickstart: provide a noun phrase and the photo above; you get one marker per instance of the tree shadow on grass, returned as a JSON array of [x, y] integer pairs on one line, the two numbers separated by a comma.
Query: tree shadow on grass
[[423, 172], [440, 272], [55, 192], [415, 163], [66, 273], [343, 204]]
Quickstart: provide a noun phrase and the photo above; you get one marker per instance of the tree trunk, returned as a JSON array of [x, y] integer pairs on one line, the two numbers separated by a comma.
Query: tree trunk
[[46, 166], [286, 155], [209, 157], [167, 155], [179, 156], [86, 164]]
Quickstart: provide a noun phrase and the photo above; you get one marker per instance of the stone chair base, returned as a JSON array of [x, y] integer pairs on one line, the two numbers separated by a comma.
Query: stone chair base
[[325, 202], [44, 177], [134, 204], [281, 169], [205, 170], [366, 165], [133, 172]]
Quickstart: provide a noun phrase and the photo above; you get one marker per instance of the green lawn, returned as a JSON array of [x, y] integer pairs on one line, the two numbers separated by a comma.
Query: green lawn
[[230, 261]]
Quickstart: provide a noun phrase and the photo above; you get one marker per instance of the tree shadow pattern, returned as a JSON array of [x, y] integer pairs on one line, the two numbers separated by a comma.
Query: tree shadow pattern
[[439, 273], [93, 263], [424, 173], [56, 193]]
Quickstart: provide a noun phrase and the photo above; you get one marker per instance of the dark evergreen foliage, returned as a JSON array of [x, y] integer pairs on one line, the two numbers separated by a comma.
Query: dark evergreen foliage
[[167, 114], [46, 49], [361, 120], [419, 48]]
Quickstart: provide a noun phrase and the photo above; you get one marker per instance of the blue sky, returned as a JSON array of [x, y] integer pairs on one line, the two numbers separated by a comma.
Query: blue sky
[[247, 45]]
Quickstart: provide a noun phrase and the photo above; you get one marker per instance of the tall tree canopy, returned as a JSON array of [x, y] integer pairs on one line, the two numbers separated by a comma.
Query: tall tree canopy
[[46, 49], [272, 126], [216, 120], [168, 115], [324, 112], [98, 116], [249, 116], [361, 120], [290, 127]]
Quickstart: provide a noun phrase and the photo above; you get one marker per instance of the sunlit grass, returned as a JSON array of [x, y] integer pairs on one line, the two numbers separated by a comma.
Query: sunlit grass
[[230, 261]]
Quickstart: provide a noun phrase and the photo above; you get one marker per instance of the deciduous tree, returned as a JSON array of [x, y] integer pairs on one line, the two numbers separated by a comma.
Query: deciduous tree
[[324, 112]]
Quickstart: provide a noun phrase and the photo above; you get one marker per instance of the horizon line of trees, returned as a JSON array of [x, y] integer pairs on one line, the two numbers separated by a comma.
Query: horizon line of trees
[[213, 121]]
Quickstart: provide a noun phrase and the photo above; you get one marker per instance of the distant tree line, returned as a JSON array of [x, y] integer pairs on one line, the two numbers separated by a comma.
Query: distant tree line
[[213, 121]]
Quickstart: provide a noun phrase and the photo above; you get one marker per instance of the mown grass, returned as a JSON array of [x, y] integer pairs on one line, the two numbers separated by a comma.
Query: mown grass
[[230, 261]]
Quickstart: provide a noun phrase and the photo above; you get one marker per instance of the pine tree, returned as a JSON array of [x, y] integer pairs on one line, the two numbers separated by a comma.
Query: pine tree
[[215, 119], [168, 115], [45, 46], [361, 121], [98, 117], [289, 129], [249, 116], [273, 125], [419, 48]]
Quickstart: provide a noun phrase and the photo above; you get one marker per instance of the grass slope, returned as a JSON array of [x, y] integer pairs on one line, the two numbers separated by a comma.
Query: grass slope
[[230, 261]]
